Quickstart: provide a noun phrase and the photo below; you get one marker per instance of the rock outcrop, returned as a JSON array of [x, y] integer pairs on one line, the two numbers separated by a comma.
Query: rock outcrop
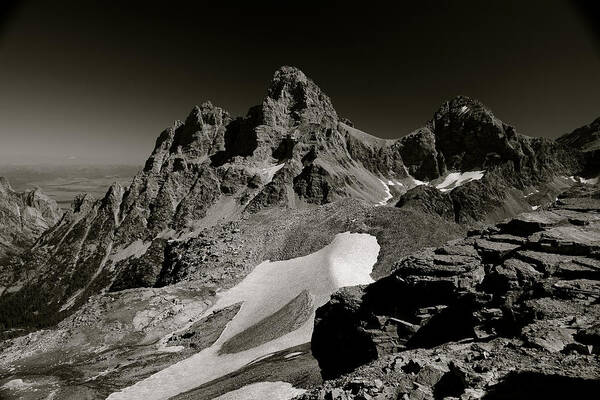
[[23, 217], [519, 299]]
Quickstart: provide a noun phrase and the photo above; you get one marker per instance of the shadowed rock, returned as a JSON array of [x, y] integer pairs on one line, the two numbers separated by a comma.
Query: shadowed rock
[[481, 287]]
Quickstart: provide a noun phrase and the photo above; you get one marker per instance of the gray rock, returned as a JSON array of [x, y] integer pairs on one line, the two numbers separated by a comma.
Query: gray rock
[[23, 217]]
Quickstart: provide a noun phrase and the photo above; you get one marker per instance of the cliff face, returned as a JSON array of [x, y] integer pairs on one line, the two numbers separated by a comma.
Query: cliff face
[[23, 217]]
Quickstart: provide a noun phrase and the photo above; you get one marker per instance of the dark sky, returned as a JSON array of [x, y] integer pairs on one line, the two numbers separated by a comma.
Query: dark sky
[[96, 81]]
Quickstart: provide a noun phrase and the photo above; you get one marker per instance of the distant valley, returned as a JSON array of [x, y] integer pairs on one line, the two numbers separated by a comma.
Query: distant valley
[[63, 182]]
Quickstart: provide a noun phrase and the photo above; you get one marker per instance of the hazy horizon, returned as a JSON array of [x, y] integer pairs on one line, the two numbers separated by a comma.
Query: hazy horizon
[[96, 83]]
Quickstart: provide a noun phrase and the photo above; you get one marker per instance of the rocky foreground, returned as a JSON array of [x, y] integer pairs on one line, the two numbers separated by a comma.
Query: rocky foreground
[[511, 311]]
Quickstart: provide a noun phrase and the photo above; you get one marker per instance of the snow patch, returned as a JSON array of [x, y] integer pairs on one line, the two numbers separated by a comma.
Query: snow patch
[[591, 181], [389, 183], [100, 374], [415, 182], [135, 249], [71, 301], [170, 349], [388, 194], [268, 173], [17, 384], [292, 355], [394, 183], [347, 261], [263, 390], [456, 179], [260, 358], [578, 179], [535, 207]]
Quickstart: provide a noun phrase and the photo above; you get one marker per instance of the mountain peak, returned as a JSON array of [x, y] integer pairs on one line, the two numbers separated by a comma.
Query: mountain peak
[[286, 75], [463, 107], [467, 133], [82, 202], [293, 98], [206, 113]]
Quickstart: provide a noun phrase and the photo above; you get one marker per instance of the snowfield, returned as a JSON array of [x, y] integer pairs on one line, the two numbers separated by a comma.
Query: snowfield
[[17, 384], [444, 184], [388, 194], [579, 179], [456, 179], [348, 260], [263, 390], [268, 173]]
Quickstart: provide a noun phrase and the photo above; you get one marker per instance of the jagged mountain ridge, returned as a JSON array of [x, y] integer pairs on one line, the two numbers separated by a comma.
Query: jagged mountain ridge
[[24, 216], [197, 167], [218, 196], [290, 151]]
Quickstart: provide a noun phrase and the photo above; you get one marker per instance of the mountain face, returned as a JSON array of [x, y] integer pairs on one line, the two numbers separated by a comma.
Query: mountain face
[[23, 217], [464, 136], [585, 138], [291, 152], [139, 280]]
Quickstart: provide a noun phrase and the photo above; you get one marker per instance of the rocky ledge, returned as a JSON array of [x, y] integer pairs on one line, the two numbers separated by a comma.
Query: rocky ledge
[[510, 311]]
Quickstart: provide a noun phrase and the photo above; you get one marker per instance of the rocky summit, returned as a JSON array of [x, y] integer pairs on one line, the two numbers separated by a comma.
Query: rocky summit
[[286, 251]]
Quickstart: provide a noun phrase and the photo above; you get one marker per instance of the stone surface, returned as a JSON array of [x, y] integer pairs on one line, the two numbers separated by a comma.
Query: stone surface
[[539, 293]]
